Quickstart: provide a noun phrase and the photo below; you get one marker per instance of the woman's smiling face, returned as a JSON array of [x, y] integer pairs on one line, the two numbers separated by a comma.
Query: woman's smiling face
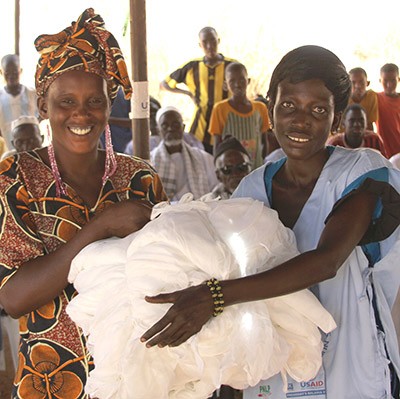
[[303, 117], [78, 107]]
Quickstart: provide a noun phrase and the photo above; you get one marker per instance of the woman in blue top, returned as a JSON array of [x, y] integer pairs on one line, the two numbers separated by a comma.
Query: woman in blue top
[[343, 206]]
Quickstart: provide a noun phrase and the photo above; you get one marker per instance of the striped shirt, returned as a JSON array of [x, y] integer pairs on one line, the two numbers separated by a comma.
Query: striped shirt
[[247, 128], [206, 83]]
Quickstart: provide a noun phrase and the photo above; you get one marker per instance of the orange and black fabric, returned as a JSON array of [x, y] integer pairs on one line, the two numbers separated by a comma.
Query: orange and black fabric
[[85, 45], [53, 359]]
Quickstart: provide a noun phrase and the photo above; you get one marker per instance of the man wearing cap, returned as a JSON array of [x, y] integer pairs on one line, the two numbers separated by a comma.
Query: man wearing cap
[[25, 135], [182, 168], [232, 163]]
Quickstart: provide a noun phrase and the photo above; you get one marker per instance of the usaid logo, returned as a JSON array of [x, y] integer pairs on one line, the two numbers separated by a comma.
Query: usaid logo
[[312, 384]]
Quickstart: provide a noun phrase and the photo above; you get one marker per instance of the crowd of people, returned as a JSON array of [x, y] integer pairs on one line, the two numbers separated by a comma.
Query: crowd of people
[[320, 148]]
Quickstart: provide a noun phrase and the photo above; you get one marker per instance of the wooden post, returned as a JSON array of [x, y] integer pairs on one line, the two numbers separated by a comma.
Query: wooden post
[[16, 31], [140, 96]]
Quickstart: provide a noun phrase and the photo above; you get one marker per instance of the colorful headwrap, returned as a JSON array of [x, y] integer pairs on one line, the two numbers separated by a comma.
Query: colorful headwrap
[[85, 45]]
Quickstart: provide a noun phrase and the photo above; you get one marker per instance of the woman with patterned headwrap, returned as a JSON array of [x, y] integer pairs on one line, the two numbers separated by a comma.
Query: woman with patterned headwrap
[[56, 200]]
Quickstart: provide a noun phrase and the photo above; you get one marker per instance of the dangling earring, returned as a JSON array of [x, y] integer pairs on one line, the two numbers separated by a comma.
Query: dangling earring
[[111, 162], [60, 186]]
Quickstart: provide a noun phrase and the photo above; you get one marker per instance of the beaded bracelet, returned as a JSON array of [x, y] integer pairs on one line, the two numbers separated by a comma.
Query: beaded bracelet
[[217, 296]]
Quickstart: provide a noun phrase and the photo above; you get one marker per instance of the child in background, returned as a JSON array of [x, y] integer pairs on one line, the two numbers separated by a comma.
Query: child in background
[[240, 117], [355, 133], [389, 110], [360, 95], [204, 81]]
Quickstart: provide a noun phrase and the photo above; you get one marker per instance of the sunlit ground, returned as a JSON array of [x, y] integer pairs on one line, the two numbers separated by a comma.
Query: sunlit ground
[[256, 32]]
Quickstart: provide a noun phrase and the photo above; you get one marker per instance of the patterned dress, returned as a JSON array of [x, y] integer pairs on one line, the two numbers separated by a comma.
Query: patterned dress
[[53, 361]]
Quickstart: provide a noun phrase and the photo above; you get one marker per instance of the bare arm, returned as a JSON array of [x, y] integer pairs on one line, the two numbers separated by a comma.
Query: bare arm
[[42, 279], [164, 85], [193, 307]]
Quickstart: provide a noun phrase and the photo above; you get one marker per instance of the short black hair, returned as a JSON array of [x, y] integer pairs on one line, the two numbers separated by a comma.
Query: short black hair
[[354, 107], [208, 29], [10, 58], [312, 62], [358, 70], [235, 66], [390, 68]]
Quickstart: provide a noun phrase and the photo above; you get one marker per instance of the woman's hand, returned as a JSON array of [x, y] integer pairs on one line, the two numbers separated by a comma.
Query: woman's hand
[[123, 218], [191, 309]]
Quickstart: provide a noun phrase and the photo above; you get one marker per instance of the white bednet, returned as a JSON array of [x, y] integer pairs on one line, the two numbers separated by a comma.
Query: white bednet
[[186, 244]]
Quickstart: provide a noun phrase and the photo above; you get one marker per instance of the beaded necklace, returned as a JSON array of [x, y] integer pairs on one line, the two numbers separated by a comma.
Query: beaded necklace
[[109, 169]]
